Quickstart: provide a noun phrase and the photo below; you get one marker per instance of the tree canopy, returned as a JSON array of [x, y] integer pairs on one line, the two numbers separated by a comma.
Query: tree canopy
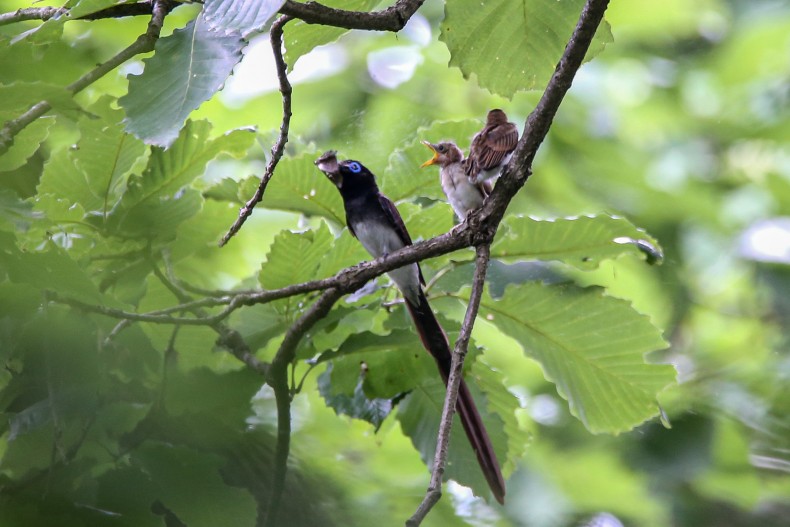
[[191, 336]]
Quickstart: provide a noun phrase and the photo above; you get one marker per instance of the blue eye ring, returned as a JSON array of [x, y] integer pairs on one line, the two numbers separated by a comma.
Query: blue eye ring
[[354, 167]]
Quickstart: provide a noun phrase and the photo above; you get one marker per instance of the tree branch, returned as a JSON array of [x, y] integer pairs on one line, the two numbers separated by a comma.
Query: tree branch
[[519, 169], [229, 338], [453, 382], [143, 44], [276, 38], [393, 18], [116, 11], [278, 380]]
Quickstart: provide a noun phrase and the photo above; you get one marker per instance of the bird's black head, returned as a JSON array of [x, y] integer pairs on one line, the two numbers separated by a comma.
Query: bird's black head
[[348, 174]]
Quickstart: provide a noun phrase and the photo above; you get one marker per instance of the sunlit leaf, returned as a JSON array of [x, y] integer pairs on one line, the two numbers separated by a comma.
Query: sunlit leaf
[[153, 202], [105, 153], [591, 346], [512, 45], [300, 187], [346, 251], [581, 242], [295, 257], [92, 175], [187, 69]]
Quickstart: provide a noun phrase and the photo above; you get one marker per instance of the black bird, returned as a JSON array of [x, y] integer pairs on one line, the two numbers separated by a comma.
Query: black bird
[[491, 147], [373, 219]]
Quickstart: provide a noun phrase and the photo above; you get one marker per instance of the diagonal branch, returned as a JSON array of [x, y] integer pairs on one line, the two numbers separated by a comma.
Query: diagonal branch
[[519, 169], [393, 18], [453, 382], [143, 44], [276, 38]]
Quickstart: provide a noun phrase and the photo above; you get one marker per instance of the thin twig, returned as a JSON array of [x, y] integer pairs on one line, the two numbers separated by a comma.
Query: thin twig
[[276, 38], [229, 338], [143, 44], [278, 380], [434, 492], [31, 13], [346, 280], [392, 18], [116, 11]]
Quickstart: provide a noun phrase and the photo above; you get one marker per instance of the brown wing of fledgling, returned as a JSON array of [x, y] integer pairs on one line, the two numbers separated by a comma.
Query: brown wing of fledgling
[[492, 144]]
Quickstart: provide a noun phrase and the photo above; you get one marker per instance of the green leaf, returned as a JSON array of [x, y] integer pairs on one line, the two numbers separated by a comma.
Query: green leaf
[[226, 189], [14, 213], [394, 363], [299, 186], [295, 257], [188, 67], [87, 7], [403, 177], [302, 37], [50, 270], [63, 179], [357, 405], [239, 16], [106, 154], [582, 242], [512, 45], [26, 143], [152, 204], [346, 251], [419, 415], [591, 346], [424, 223], [504, 404], [93, 174], [19, 96]]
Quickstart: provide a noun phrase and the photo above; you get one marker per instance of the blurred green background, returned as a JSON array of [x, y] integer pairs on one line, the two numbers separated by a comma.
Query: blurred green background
[[682, 125]]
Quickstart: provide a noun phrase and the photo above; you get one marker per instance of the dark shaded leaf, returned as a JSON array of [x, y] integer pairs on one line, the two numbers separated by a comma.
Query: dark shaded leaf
[[357, 405]]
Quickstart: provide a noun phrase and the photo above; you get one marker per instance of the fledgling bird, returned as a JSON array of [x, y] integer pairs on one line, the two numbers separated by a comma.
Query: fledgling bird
[[463, 195], [492, 147], [373, 219]]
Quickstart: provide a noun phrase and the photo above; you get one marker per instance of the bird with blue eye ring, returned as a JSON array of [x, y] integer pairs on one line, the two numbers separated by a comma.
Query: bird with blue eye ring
[[374, 220]]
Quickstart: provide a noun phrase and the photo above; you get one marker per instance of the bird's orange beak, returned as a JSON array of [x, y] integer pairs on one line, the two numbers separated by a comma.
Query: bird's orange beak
[[434, 159]]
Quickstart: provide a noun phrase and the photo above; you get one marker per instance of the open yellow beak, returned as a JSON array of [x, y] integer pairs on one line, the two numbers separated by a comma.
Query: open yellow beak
[[434, 159]]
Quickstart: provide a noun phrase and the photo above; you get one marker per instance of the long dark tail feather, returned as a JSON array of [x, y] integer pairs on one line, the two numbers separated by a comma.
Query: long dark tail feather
[[435, 341]]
